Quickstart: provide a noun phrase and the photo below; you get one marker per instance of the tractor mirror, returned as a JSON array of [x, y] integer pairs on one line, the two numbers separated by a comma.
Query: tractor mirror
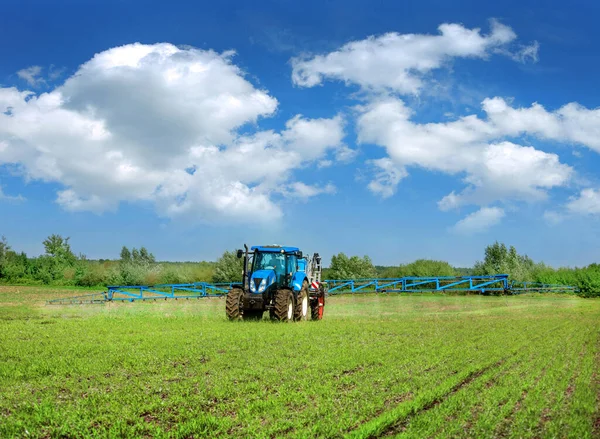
[[240, 253], [299, 254]]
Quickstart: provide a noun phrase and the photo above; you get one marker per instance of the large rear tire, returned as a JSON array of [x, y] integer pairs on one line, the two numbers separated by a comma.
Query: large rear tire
[[284, 306], [233, 305], [301, 309]]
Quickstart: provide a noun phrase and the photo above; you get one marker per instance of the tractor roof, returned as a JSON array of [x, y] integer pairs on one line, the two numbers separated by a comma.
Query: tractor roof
[[274, 249]]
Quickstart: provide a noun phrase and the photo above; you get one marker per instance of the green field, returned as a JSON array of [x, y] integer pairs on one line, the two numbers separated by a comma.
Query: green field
[[408, 366]]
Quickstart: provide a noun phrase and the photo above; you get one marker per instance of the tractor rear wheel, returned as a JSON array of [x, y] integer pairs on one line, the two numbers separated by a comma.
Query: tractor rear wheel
[[284, 306], [301, 309], [233, 305]]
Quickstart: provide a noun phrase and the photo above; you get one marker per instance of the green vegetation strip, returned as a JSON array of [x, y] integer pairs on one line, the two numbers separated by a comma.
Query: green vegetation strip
[[59, 266], [423, 366]]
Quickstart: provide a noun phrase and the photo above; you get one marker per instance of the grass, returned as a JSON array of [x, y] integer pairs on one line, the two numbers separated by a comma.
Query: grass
[[407, 366]]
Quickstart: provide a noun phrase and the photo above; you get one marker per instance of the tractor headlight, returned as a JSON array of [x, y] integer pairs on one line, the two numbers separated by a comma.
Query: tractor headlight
[[252, 286], [262, 285]]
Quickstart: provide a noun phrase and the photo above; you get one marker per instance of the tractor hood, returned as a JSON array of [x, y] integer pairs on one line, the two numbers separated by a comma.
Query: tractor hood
[[260, 280]]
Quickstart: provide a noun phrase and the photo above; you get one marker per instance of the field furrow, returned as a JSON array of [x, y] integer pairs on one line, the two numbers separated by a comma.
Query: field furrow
[[457, 414]]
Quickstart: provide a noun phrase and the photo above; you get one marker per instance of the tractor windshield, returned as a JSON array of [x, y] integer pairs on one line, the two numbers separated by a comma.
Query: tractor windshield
[[269, 261]]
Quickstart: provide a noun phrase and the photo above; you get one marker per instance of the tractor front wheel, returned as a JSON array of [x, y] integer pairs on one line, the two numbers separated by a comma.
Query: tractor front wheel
[[301, 309], [284, 306], [233, 305]]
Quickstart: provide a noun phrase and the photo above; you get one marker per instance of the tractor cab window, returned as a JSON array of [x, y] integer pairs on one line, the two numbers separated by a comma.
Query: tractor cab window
[[263, 261], [270, 261], [291, 264], [281, 263]]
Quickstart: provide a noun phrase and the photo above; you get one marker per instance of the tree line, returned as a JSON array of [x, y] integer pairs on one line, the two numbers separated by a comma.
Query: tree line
[[61, 267]]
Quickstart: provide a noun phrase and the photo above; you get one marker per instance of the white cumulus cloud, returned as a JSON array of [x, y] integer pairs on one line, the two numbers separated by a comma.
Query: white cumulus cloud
[[158, 123], [397, 62], [480, 221], [493, 171], [570, 123], [488, 153], [305, 191], [387, 177], [587, 203]]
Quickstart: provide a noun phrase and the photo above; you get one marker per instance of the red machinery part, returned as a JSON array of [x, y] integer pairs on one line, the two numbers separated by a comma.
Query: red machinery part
[[321, 306]]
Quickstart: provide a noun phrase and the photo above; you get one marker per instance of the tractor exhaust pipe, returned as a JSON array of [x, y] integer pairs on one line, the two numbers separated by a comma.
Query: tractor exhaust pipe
[[245, 272]]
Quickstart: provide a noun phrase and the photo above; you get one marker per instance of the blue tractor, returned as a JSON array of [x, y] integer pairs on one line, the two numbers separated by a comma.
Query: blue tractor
[[280, 280]]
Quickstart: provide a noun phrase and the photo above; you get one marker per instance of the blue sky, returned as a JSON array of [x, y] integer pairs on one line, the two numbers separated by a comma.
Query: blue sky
[[401, 130]]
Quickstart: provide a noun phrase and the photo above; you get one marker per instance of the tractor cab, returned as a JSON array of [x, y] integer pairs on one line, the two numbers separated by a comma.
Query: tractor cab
[[273, 266]]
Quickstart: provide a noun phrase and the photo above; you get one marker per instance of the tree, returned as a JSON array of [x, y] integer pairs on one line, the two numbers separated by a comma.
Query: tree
[[16, 267], [426, 268], [502, 260], [343, 267], [588, 281], [228, 268], [136, 267], [494, 261], [4, 249], [137, 257], [59, 250], [125, 255], [420, 268], [146, 257]]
